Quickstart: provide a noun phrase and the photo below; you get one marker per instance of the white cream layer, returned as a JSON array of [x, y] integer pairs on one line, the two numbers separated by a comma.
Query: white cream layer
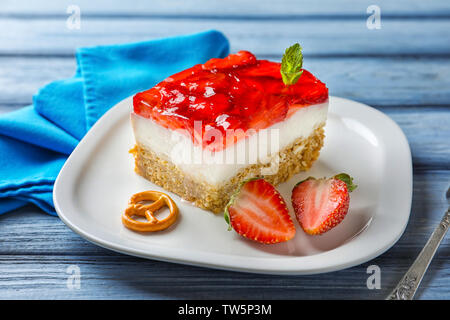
[[218, 167]]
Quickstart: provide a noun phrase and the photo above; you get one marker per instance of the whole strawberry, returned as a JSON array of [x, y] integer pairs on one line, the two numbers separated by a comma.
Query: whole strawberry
[[258, 212], [321, 204]]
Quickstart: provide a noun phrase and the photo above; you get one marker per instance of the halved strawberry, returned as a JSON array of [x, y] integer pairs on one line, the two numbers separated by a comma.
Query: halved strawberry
[[321, 204], [258, 212]]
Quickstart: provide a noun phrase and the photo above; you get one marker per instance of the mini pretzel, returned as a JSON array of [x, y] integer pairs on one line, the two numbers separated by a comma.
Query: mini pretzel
[[138, 209]]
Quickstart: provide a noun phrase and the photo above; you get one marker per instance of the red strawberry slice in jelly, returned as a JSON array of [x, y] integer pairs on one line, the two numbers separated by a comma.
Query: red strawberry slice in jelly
[[208, 107], [265, 69], [242, 58], [272, 110]]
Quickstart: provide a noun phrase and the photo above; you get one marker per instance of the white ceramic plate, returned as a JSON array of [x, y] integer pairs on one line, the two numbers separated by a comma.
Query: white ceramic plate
[[94, 186]]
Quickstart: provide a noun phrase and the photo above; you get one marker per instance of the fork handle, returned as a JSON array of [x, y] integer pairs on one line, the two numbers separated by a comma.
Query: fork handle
[[408, 285]]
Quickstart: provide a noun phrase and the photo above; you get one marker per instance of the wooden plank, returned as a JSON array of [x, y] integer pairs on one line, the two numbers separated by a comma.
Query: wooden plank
[[37, 249], [122, 277], [218, 8], [327, 38], [428, 135], [375, 81], [20, 78]]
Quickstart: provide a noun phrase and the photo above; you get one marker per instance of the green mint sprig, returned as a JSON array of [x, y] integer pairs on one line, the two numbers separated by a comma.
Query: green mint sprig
[[291, 64]]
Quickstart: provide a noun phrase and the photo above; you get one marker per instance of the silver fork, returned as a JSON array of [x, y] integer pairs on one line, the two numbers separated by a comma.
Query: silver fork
[[407, 287]]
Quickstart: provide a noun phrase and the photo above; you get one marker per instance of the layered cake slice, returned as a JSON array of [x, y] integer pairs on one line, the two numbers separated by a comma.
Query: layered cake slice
[[201, 132]]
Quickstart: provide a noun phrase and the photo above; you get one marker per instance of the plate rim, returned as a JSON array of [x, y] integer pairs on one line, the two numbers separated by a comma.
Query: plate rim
[[208, 258]]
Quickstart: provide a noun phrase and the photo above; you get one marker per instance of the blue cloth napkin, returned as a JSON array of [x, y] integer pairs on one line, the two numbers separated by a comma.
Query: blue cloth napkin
[[35, 141]]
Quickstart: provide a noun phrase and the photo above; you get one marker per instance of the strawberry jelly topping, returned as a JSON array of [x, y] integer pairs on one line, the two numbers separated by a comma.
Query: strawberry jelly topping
[[237, 92]]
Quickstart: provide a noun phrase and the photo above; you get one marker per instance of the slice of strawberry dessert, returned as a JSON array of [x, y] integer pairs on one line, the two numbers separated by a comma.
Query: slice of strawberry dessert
[[200, 133]]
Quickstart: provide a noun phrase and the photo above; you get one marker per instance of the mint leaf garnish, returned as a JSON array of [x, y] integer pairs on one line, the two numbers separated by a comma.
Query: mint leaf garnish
[[291, 64]]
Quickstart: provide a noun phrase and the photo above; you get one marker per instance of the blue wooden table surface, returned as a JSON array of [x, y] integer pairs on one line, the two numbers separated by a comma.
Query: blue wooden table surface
[[403, 69]]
